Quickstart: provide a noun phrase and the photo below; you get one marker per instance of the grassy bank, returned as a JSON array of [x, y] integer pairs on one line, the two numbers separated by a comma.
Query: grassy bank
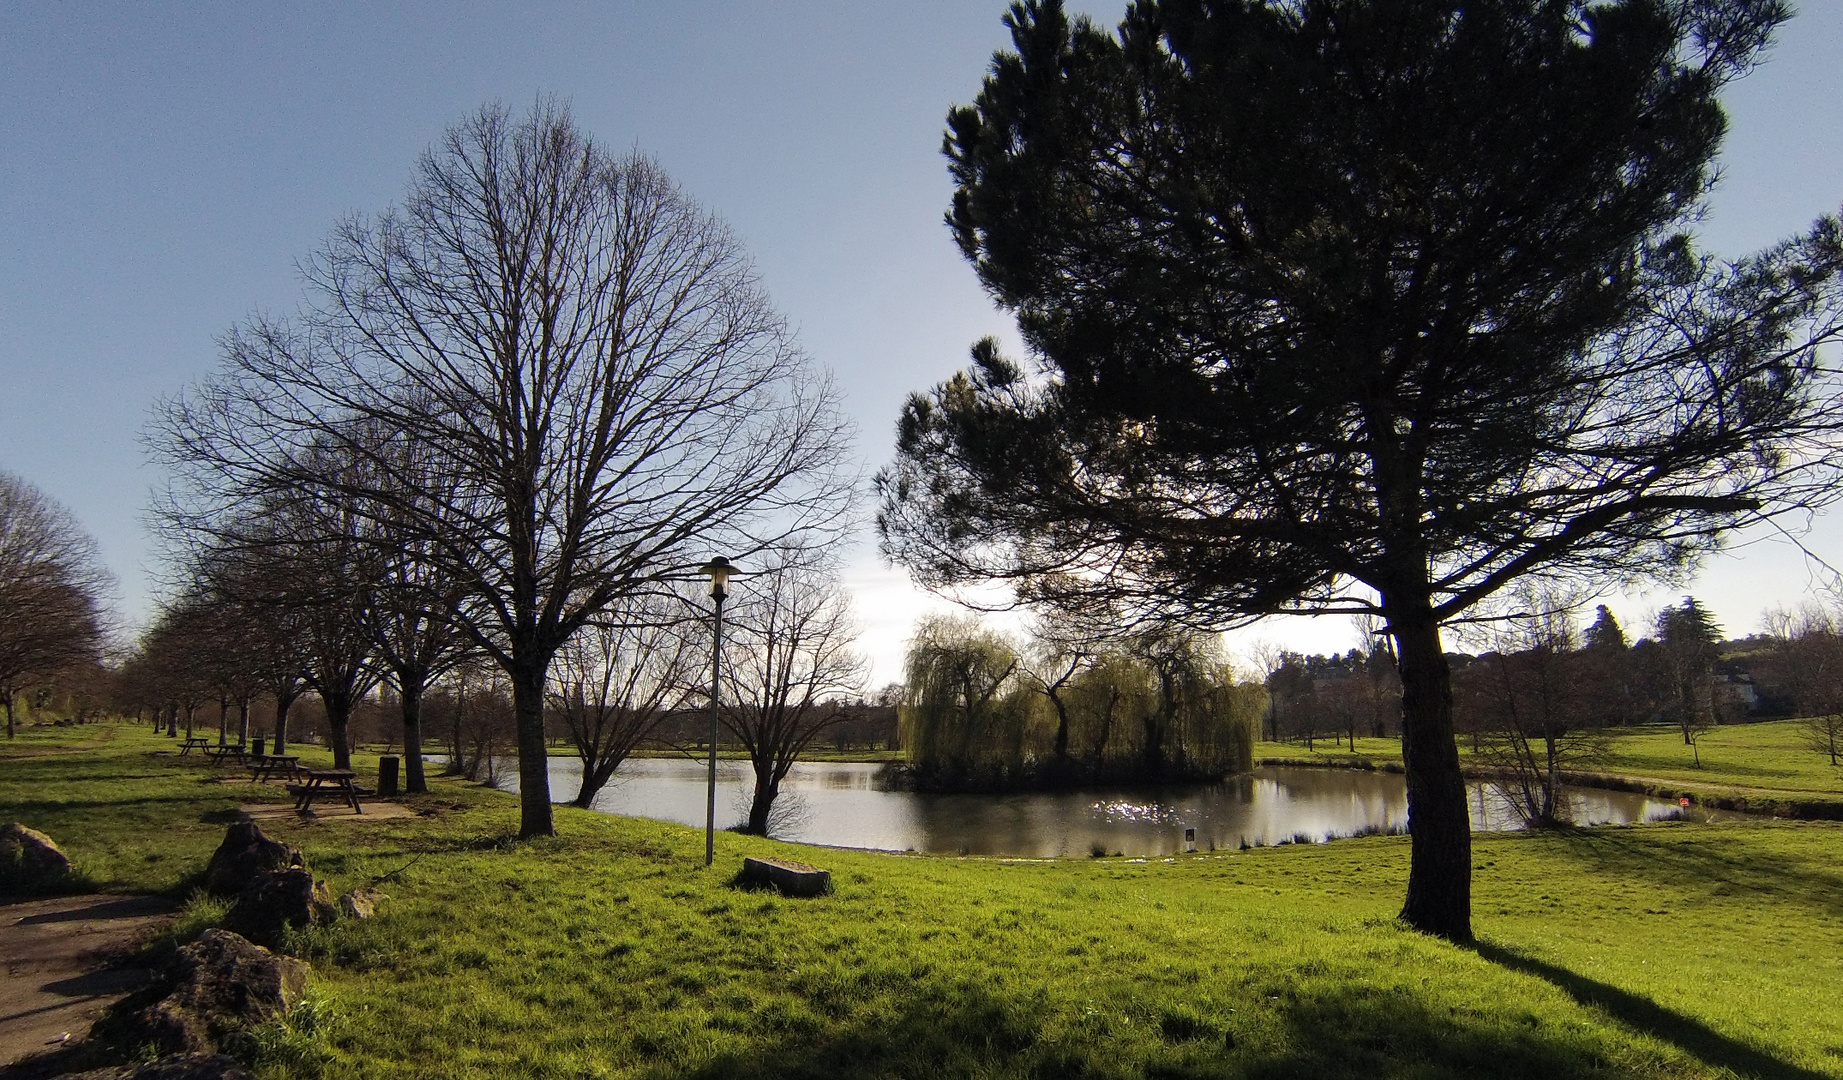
[[1764, 767], [609, 951]]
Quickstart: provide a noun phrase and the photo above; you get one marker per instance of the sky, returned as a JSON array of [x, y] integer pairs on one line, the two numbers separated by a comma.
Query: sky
[[163, 167]]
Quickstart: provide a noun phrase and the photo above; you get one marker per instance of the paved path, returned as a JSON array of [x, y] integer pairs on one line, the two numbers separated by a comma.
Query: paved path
[[54, 956]]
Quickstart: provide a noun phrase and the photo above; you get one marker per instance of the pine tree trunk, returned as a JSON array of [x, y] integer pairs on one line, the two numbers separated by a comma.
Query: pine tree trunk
[[1439, 825]]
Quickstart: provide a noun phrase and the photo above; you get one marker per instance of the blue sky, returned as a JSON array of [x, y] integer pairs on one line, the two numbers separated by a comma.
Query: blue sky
[[162, 168]]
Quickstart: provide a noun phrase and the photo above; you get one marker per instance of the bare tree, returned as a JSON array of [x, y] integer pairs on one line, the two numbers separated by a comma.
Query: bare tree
[[414, 600], [51, 591], [618, 677], [793, 666], [1527, 700], [1806, 664], [586, 357], [174, 650]]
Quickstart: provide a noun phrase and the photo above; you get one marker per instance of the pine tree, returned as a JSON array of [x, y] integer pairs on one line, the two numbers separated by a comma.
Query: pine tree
[[1395, 295], [1605, 633]]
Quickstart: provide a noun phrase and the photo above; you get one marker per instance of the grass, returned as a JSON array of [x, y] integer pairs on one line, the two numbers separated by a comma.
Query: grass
[[1672, 950], [1766, 762]]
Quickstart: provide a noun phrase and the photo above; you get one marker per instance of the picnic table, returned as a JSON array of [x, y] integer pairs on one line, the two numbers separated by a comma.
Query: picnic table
[[263, 767], [325, 781], [197, 742], [219, 753]]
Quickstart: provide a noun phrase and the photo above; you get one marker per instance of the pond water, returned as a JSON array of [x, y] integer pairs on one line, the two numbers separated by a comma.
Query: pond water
[[839, 804]]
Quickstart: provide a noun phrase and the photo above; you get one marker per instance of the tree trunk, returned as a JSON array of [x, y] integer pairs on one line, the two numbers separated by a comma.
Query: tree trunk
[[767, 789], [759, 806], [338, 719], [410, 698], [223, 721], [457, 763], [243, 722], [283, 702], [12, 726], [594, 778], [1440, 864], [534, 810]]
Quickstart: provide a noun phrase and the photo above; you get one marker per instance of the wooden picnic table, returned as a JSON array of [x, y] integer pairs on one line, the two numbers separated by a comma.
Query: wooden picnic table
[[197, 742], [263, 767], [219, 753], [321, 781]]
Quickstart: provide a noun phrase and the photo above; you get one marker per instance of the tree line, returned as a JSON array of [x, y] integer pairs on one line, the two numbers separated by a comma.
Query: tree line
[[1545, 695]]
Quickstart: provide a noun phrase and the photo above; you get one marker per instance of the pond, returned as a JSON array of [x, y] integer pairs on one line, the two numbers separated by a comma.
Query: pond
[[839, 804]]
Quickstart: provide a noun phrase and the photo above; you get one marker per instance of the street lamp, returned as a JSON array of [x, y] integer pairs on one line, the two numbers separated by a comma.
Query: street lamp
[[719, 570]]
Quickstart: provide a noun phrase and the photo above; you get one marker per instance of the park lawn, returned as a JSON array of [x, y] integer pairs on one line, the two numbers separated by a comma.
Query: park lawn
[[1772, 756], [1768, 759], [608, 950], [1362, 752]]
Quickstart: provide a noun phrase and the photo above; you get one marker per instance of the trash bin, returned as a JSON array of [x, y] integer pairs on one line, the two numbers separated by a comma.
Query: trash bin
[[256, 745], [387, 775]]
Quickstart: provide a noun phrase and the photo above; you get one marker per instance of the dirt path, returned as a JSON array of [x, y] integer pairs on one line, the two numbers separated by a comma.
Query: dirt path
[[55, 978]]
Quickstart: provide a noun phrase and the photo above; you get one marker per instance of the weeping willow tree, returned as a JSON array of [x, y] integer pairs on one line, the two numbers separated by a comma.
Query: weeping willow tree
[[1163, 705], [956, 711]]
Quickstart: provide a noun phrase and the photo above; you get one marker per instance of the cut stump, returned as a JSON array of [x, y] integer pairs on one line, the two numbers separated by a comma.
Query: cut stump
[[788, 877]]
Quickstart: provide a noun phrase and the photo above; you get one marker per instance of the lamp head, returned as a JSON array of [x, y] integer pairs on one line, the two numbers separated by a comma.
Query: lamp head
[[718, 570]]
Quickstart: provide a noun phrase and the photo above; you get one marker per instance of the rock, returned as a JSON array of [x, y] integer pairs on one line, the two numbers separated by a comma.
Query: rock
[[789, 877], [30, 861], [174, 1067], [245, 855], [360, 903], [276, 901], [217, 985]]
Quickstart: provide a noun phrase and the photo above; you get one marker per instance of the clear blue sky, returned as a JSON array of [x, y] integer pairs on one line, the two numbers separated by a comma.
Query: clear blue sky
[[163, 166]]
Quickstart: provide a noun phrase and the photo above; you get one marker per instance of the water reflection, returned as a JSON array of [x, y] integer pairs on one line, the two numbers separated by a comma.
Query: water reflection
[[840, 805]]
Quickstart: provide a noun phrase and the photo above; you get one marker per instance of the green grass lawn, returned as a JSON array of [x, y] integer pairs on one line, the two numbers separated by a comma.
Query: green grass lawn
[[1770, 758], [1672, 950]]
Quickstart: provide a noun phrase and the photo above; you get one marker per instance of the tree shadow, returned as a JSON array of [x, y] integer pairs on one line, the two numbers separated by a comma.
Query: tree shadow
[[1306, 1033], [1699, 862], [1640, 1013]]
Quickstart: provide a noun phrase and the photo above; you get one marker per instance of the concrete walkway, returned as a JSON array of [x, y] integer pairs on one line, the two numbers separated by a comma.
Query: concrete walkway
[[55, 978]]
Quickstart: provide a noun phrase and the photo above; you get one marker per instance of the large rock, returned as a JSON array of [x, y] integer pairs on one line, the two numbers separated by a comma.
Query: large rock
[[30, 861], [174, 1067], [245, 855], [217, 985], [275, 902]]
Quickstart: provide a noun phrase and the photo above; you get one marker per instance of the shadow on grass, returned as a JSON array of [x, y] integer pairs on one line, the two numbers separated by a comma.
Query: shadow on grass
[[1346, 1031], [1697, 863], [1640, 1013]]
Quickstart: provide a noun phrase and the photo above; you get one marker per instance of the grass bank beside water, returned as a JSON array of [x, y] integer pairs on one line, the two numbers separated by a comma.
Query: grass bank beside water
[[1764, 767], [610, 951]]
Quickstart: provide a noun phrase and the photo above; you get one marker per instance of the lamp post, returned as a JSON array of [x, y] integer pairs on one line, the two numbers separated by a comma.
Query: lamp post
[[719, 571]]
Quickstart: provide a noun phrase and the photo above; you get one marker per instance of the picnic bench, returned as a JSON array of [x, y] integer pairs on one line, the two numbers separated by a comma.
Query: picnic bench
[[263, 767], [219, 754], [197, 742], [325, 782]]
